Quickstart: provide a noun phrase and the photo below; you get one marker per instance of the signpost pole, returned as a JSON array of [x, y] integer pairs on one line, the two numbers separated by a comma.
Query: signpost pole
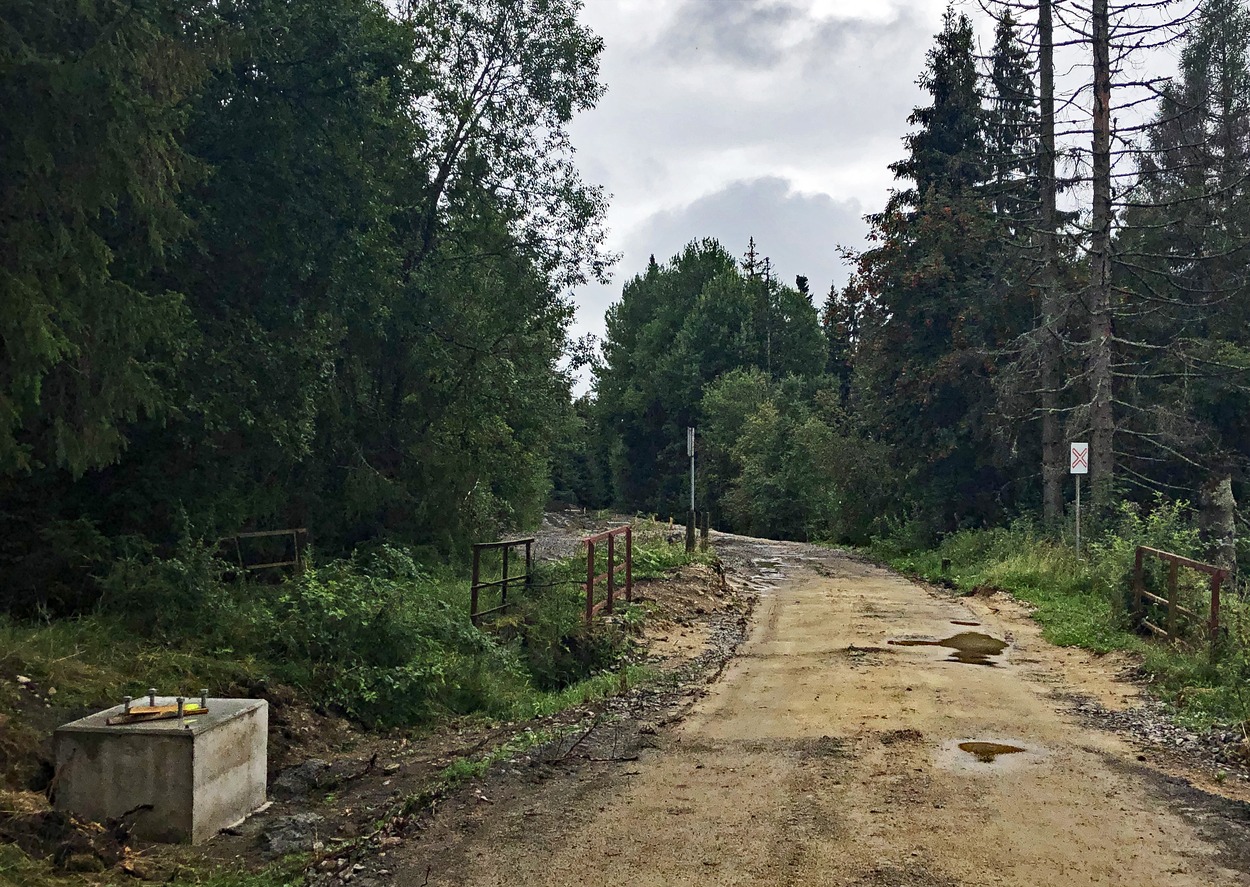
[[690, 515], [690, 450], [1078, 464]]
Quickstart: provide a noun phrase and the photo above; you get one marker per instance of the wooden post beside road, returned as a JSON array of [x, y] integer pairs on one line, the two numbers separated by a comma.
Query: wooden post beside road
[[629, 564], [611, 573], [690, 519]]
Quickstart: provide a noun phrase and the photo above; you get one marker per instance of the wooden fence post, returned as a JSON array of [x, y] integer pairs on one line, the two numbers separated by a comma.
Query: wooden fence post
[[629, 564], [611, 572]]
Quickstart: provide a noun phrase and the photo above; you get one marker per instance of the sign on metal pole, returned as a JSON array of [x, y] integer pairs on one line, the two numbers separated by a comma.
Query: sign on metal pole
[[1079, 459], [689, 441], [1078, 464]]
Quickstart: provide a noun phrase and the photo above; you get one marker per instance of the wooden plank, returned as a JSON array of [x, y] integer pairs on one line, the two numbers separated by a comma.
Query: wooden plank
[[494, 609], [1155, 598], [1156, 629], [274, 564], [497, 582], [263, 534], [506, 543], [1210, 569], [602, 536]]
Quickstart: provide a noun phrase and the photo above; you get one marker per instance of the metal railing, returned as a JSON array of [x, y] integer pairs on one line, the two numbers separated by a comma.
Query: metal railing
[[610, 537], [296, 559], [475, 613], [1174, 609]]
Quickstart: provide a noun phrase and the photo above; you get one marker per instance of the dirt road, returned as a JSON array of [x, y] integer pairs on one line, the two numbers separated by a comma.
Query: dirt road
[[825, 754]]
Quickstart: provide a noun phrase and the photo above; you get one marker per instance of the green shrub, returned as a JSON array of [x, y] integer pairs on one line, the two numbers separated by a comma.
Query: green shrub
[[165, 598]]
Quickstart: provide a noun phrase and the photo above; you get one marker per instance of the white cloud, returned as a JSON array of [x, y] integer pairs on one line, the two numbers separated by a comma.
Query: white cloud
[[772, 118]]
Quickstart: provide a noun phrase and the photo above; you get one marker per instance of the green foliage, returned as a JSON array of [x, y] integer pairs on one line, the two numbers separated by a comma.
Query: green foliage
[[1185, 249], [788, 462], [936, 303], [314, 281], [678, 328], [94, 99], [378, 637]]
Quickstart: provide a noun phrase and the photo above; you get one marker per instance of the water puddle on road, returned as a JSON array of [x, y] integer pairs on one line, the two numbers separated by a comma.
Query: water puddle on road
[[988, 752], [968, 647]]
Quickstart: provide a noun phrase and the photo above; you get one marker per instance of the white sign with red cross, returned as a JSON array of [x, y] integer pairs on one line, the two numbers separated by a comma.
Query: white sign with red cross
[[1079, 460]]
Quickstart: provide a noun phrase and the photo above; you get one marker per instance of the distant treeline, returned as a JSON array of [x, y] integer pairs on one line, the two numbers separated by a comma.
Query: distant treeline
[[273, 263], [980, 332]]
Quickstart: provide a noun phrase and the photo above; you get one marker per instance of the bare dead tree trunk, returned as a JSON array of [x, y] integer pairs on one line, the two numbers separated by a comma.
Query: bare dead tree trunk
[[1053, 468], [1099, 366]]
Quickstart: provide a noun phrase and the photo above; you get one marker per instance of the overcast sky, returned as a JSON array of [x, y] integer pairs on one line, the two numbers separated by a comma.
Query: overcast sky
[[776, 119], [737, 118]]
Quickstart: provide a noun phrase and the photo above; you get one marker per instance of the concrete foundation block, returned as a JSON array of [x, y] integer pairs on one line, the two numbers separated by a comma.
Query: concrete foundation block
[[179, 781]]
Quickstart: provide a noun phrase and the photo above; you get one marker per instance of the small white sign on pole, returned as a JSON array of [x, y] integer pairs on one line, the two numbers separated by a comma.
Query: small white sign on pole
[[1078, 464], [1079, 459]]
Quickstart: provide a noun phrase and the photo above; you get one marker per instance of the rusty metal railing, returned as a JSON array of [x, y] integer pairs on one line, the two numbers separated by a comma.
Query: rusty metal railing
[[476, 614], [610, 537], [1174, 609]]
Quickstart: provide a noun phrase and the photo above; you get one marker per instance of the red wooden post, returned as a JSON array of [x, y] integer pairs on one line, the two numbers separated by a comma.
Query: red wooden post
[[629, 564], [611, 571], [590, 581]]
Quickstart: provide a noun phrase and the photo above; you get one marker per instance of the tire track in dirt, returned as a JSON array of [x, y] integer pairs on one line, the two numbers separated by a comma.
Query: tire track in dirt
[[827, 755]]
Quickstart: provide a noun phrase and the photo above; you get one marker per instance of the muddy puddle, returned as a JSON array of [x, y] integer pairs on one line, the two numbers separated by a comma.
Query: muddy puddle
[[968, 647], [987, 756], [988, 752], [765, 573]]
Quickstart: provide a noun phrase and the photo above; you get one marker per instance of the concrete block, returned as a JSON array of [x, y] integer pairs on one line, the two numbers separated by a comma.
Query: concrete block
[[192, 778]]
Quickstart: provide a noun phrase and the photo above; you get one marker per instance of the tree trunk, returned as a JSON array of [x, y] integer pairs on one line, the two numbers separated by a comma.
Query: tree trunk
[[1053, 457], [1100, 363]]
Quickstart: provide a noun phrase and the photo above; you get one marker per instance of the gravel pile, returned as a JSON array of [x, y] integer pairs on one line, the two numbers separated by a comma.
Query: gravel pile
[[1151, 723]]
